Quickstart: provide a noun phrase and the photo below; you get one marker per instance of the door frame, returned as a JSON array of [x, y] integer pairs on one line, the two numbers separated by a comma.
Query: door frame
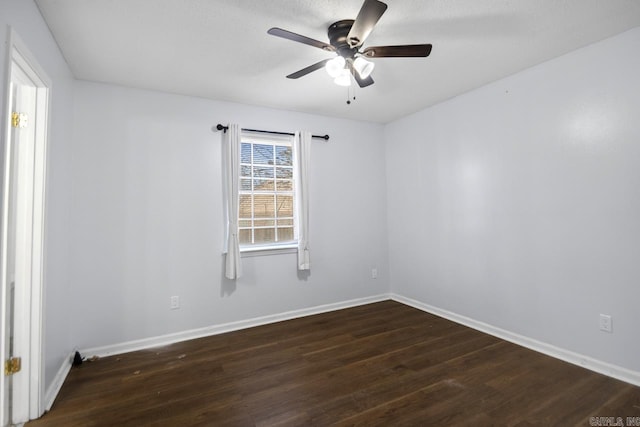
[[29, 383]]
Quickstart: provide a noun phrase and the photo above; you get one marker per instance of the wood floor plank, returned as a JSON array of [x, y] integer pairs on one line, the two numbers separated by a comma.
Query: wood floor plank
[[376, 364]]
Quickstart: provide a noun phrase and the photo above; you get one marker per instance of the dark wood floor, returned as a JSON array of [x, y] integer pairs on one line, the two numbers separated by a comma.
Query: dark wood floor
[[378, 364]]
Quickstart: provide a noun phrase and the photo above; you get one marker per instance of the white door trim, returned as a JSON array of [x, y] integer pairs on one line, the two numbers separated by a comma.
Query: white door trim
[[30, 382]]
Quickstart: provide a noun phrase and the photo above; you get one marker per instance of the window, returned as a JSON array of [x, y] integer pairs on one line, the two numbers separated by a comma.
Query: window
[[266, 196]]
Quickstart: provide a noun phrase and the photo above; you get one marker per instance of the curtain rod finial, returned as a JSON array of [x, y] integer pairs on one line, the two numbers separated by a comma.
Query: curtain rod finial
[[220, 127]]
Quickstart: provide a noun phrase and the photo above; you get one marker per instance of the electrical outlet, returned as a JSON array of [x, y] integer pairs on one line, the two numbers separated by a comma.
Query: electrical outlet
[[606, 323], [175, 302], [374, 273]]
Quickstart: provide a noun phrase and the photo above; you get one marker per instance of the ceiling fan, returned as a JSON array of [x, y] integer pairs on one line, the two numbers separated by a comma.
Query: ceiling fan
[[346, 38]]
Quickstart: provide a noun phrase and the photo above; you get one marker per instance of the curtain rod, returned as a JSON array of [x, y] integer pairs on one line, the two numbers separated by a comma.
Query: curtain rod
[[224, 128]]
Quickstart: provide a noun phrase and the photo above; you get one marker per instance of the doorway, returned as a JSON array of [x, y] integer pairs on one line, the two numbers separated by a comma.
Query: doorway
[[22, 234]]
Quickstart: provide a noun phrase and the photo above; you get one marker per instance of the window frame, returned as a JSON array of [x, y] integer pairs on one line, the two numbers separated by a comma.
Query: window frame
[[267, 248]]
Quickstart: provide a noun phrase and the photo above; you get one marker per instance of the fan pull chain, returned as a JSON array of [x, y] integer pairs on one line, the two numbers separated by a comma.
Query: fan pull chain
[[349, 98]]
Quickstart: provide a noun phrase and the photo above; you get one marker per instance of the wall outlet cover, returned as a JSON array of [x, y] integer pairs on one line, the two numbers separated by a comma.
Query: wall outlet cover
[[606, 323], [175, 302]]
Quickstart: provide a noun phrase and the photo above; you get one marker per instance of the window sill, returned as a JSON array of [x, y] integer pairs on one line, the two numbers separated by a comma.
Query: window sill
[[251, 251]]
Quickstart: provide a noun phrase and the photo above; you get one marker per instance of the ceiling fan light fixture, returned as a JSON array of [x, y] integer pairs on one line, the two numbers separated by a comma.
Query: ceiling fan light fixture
[[346, 40], [363, 67], [335, 66], [344, 78]]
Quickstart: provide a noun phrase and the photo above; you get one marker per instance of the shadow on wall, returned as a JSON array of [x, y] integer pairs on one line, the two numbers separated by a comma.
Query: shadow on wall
[[227, 286], [304, 274]]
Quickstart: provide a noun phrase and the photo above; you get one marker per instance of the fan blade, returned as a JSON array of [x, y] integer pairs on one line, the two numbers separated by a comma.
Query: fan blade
[[406, 51], [367, 18], [361, 82], [309, 69], [279, 32]]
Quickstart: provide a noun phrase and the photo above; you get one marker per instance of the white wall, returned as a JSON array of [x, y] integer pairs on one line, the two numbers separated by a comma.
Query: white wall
[[147, 216], [518, 204], [26, 20]]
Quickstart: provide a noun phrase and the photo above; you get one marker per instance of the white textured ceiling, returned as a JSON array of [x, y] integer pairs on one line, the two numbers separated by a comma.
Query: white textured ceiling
[[220, 49]]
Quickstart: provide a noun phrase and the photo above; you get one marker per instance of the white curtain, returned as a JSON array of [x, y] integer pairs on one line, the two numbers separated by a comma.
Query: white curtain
[[301, 150], [231, 141]]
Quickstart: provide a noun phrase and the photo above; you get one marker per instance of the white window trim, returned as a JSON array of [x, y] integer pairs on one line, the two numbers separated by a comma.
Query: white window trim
[[271, 248]]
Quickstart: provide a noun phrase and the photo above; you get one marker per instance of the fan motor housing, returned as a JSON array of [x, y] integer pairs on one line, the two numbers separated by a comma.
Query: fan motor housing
[[338, 32]]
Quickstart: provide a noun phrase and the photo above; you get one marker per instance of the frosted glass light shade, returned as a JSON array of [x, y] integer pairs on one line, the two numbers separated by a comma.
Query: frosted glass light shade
[[344, 78], [335, 66], [363, 67]]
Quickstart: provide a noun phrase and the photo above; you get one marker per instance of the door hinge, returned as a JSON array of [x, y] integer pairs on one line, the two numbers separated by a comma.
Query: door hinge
[[13, 365], [18, 120]]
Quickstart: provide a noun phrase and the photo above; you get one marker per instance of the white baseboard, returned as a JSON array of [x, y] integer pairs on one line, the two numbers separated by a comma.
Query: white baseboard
[[601, 367], [614, 371], [54, 388], [162, 340]]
